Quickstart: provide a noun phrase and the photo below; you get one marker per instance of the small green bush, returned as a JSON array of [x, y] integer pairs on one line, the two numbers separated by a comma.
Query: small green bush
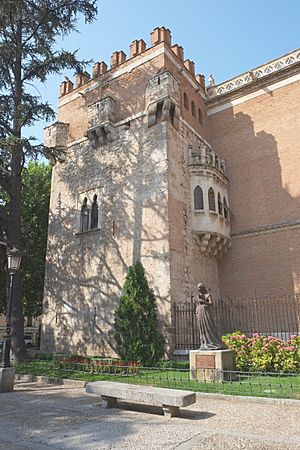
[[42, 357], [137, 334], [265, 353], [173, 364]]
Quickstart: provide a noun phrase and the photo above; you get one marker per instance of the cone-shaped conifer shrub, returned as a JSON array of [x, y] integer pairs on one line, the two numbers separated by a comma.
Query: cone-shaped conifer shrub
[[137, 335]]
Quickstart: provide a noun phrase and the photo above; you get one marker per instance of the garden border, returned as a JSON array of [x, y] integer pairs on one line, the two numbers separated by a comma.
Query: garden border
[[199, 395]]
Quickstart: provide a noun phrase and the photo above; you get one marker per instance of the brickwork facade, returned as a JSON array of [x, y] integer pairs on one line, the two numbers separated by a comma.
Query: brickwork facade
[[199, 183]]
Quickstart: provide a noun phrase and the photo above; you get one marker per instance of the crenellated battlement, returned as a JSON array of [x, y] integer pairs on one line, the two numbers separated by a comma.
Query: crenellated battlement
[[160, 35]]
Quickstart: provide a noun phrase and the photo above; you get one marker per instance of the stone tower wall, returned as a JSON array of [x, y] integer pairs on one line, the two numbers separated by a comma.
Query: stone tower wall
[[140, 136], [128, 131]]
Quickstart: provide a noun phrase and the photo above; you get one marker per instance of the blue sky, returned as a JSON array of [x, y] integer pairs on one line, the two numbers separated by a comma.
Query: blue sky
[[223, 37]]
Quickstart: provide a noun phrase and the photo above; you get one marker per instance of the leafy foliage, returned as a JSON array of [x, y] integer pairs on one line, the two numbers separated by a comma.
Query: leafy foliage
[[265, 353], [35, 208], [136, 324], [36, 180], [29, 30]]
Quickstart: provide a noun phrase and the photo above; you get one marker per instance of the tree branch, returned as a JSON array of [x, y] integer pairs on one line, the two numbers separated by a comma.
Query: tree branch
[[5, 183], [6, 126]]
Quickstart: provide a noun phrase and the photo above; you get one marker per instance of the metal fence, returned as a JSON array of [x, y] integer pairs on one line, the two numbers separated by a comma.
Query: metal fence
[[262, 384], [278, 316]]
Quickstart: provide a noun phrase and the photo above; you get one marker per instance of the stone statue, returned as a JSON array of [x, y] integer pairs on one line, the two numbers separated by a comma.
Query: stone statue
[[211, 80], [209, 337]]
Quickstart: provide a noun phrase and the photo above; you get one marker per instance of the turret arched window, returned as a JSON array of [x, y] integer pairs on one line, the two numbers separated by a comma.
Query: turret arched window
[[220, 208], [193, 109], [226, 215], [94, 213], [198, 198], [200, 116], [84, 216], [185, 101], [211, 200]]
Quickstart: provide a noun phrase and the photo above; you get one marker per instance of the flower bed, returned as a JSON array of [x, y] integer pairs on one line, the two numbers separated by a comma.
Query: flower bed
[[265, 353], [92, 364]]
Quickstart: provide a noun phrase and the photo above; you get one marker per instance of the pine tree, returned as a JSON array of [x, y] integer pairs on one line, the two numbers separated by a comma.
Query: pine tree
[[36, 180], [28, 33], [137, 334]]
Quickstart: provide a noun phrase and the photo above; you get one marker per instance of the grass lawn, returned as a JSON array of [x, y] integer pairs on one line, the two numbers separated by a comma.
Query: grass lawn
[[259, 385]]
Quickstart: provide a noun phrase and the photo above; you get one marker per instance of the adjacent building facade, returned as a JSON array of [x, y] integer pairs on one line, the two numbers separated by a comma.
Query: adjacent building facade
[[199, 182]]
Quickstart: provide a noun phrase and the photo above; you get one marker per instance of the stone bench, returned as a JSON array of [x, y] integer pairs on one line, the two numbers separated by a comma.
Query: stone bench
[[170, 399]]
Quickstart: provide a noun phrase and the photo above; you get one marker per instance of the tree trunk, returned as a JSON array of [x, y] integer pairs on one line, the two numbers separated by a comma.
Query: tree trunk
[[19, 353], [14, 227]]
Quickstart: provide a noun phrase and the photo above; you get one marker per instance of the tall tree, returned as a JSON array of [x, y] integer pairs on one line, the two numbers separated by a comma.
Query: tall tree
[[137, 333], [28, 33], [36, 181], [35, 208]]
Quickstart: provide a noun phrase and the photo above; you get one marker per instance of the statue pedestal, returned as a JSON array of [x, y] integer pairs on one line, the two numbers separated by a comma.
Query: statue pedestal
[[7, 379], [212, 365]]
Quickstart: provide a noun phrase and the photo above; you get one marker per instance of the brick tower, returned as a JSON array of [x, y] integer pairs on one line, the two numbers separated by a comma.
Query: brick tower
[[144, 178]]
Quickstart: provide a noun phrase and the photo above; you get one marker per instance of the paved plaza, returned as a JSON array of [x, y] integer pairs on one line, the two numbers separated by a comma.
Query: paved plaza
[[38, 416]]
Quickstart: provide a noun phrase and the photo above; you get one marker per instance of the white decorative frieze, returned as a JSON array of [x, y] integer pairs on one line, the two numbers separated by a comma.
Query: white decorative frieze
[[253, 75]]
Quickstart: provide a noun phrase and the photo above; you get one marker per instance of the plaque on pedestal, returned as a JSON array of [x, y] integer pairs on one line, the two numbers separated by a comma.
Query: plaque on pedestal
[[213, 365]]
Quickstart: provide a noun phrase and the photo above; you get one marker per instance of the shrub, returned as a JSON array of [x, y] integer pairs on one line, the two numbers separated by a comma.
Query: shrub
[[265, 353], [242, 346], [136, 333], [173, 364]]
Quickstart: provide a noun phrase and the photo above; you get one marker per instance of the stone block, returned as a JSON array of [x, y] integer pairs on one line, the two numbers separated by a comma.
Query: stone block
[[56, 135], [212, 365], [7, 379], [170, 399], [162, 86]]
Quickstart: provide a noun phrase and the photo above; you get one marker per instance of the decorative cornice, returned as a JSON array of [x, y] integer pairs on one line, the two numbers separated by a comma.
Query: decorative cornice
[[253, 75], [267, 229]]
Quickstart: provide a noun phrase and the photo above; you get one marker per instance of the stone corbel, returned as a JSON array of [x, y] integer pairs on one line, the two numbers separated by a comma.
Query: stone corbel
[[109, 131], [176, 117], [100, 134], [214, 245], [166, 109], [169, 111], [151, 114]]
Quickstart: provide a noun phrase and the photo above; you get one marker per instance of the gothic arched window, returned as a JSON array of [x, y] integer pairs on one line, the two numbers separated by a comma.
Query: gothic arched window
[[200, 116], [220, 209], [94, 213], [198, 198], [185, 101], [211, 200], [193, 109], [225, 208], [84, 216]]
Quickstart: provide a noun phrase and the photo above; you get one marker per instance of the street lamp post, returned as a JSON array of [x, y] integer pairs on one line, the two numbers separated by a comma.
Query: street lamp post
[[14, 257]]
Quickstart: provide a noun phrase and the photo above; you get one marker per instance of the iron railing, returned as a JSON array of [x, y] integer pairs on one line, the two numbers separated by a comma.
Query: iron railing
[[278, 316], [260, 384]]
